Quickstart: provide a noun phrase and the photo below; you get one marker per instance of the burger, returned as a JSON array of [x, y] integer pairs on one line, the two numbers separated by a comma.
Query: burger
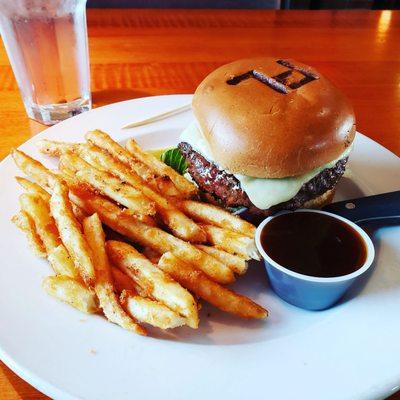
[[268, 135]]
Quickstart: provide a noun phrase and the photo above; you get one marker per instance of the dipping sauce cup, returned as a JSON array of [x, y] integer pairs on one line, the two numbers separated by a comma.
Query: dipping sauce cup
[[311, 292]]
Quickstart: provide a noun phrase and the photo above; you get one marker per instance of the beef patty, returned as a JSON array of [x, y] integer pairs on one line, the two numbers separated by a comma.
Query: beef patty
[[225, 187]]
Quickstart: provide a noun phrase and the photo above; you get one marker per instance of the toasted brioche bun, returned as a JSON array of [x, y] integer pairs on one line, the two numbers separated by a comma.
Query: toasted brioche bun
[[256, 130]]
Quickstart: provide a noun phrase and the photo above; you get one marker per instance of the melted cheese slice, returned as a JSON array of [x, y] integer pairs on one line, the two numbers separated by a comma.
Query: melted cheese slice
[[263, 192]]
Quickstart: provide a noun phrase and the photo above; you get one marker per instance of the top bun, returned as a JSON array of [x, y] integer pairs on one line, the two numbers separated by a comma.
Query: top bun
[[271, 118]]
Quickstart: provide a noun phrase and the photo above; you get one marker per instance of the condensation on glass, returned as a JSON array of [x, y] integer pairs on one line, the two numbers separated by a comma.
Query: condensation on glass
[[46, 42]]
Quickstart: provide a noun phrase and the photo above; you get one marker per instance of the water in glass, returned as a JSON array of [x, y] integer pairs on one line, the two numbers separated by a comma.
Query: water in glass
[[46, 42]]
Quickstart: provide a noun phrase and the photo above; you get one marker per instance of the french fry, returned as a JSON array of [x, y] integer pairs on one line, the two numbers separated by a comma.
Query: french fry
[[25, 223], [104, 286], [150, 236], [150, 311], [213, 215], [186, 188], [164, 185], [149, 277], [161, 183], [122, 281], [105, 142], [235, 263], [151, 254], [108, 185], [147, 293], [70, 233], [232, 242], [182, 226], [33, 188], [33, 168], [39, 211], [72, 292], [45, 225], [141, 308], [62, 263], [217, 295], [80, 214], [69, 178], [56, 149], [43, 175]]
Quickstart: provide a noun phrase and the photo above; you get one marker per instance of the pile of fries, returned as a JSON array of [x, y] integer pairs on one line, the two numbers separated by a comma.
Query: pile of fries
[[165, 251]]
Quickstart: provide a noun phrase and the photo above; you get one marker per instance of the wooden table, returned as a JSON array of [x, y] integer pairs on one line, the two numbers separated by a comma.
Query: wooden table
[[137, 53]]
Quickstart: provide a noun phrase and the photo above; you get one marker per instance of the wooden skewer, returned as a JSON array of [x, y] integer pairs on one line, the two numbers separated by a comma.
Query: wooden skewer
[[158, 117]]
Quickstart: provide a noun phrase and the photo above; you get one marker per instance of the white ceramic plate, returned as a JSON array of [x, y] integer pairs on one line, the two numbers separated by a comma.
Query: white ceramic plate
[[349, 352]]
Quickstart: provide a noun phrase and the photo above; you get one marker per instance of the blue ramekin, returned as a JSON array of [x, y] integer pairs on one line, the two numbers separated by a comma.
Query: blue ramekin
[[310, 292]]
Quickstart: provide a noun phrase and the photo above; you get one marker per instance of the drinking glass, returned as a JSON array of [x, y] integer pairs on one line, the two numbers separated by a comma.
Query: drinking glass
[[46, 42]]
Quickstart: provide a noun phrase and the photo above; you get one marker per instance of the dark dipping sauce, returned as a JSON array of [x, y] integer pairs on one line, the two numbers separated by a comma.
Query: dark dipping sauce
[[314, 244]]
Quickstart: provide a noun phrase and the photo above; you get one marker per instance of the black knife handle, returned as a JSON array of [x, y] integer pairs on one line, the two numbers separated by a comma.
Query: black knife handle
[[378, 207]]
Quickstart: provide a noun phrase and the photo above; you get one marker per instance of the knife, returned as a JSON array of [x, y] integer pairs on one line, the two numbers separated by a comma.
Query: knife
[[383, 208]]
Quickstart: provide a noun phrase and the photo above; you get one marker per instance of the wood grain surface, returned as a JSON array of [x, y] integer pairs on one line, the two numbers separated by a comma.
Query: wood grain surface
[[135, 53]]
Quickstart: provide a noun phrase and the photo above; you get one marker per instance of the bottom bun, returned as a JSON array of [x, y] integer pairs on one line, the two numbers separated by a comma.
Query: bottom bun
[[256, 216], [320, 201]]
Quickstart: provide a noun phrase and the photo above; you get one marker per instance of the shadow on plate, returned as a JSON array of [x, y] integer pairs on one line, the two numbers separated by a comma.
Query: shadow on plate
[[108, 96], [385, 174], [347, 188]]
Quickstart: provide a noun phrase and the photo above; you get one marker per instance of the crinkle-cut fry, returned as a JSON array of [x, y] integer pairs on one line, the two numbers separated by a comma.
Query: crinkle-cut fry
[[72, 292], [152, 279], [39, 211], [150, 311], [186, 188], [213, 215], [25, 223], [107, 184], [34, 169], [104, 286], [181, 225], [105, 142], [232, 242], [235, 263], [62, 263], [33, 188], [55, 148], [219, 296], [70, 233], [150, 236]]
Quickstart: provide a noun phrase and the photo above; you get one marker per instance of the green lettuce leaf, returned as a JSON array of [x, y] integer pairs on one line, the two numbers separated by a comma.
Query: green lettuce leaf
[[174, 158]]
